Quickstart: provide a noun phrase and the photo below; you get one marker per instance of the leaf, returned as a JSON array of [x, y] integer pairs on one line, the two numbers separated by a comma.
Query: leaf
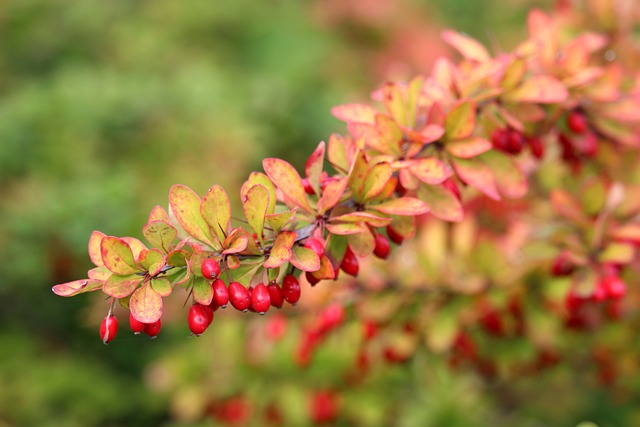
[[95, 253], [244, 272], [337, 153], [386, 136], [345, 228], [146, 304], [121, 286], [372, 219], [76, 287], [177, 258], [278, 220], [326, 270], [202, 291], [513, 74], [355, 113], [405, 226], [287, 179], [413, 98], [313, 167], [357, 174], [256, 178], [152, 260], [236, 242], [281, 250], [335, 248], [136, 245], [627, 232], [540, 89], [162, 286], [255, 205], [216, 211], [160, 234], [442, 203], [565, 205], [158, 214], [469, 147], [394, 103], [468, 47], [618, 253], [510, 179], [304, 259], [185, 206], [402, 206], [461, 121], [233, 262], [99, 273], [117, 256], [478, 175], [362, 244], [429, 170], [376, 180], [332, 194]]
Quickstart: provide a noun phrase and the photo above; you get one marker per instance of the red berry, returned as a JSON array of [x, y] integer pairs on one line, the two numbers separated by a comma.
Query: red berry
[[500, 139], [313, 280], [577, 121], [515, 141], [588, 144], [239, 296], [208, 310], [573, 302], [108, 328], [350, 263], [315, 245], [370, 330], [220, 293], [210, 268], [136, 325], [198, 320], [153, 329], [324, 407], [536, 146], [260, 299], [382, 248], [275, 293], [562, 265], [614, 287], [291, 289], [394, 236]]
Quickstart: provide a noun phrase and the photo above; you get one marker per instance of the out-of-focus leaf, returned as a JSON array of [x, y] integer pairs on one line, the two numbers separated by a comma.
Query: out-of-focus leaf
[[468, 47], [370, 218], [345, 228], [618, 253], [477, 174], [510, 179], [355, 113], [461, 121], [469, 147], [540, 89], [442, 203], [429, 170], [313, 167], [394, 103], [402, 206], [337, 154], [332, 193], [362, 244]]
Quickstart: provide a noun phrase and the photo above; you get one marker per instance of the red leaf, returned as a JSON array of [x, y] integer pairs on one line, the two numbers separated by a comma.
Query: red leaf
[[332, 194], [468, 47], [355, 113], [430, 170], [469, 147], [287, 179], [117, 256], [402, 206], [158, 214], [313, 167], [540, 89]]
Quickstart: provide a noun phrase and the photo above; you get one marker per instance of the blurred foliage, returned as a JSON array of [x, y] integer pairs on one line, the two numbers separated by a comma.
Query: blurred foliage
[[104, 105]]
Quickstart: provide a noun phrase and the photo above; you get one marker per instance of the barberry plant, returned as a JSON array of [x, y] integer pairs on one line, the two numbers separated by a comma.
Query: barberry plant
[[516, 170]]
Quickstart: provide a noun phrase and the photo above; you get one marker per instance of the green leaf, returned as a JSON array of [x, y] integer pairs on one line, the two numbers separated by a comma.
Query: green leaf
[[442, 203], [402, 206], [160, 234], [314, 165], [185, 206], [244, 272], [202, 291], [413, 97], [216, 211], [162, 286], [539, 89], [95, 253], [385, 136], [510, 179], [117, 256], [281, 250], [287, 179], [258, 178], [255, 205], [618, 253], [76, 287], [177, 258], [478, 175], [304, 259], [429, 170], [278, 220], [461, 121], [121, 286], [332, 194], [334, 248], [468, 147], [152, 260], [355, 113], [136, 245], [404, 225], [468, 47], [146, 304], [376, 180]]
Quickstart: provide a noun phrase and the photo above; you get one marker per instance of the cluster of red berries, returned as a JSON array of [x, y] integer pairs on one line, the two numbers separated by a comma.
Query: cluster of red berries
[[579, 141], [512, 141]]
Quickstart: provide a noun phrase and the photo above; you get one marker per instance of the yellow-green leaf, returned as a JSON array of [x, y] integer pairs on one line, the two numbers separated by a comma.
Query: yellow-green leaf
[[185, 206], [461, 121], [121, 286], [117, 256], [216, 211], [304, 259], [146, 304], [255, 205]]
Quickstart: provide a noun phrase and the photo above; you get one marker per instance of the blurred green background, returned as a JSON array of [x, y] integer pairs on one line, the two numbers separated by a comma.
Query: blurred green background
[[105, 105]]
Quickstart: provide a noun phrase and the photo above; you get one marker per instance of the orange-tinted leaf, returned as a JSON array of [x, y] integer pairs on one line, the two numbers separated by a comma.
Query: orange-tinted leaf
[[461, 121], [442, 203], [152, 260], [404, 225], [313, 167], [332, 194], [185, 206], [236, 242], [255, 205], [94, 248], [387, 136], [627, 232], [121, 286], [162, 286], [278, 220], [355, 113], [337, 153], [216, 211], [233, 262], [402, 206], [510, 179], [287, 179], [376, 180], [117, 256], [160, 234], [478, 175], [345, 228], [158, 214], [76, 287], [540, 89], [468, 47], [430, 170], [394, 103], [304, 259], [281, 250], [470, 147], [202, 291], [372, 219], [146, 304], [326, 270]]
